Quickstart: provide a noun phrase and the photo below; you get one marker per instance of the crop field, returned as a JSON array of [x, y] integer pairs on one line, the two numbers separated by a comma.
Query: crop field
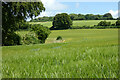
[[79, 23], [83, 53], [47, 24]]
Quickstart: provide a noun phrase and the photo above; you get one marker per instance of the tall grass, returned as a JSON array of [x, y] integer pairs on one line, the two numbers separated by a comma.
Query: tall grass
[[84, 54]]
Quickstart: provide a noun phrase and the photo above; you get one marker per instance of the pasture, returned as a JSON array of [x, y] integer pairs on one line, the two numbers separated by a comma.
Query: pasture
[[79, 23], [86, 53]]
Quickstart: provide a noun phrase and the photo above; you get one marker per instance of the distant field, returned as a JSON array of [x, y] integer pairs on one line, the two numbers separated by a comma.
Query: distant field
[[85, 53], [47, 24], [76, 23], [89, 22]]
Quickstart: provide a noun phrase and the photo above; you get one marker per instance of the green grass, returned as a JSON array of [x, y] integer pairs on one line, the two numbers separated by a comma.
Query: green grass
[[0, 62], [89, 22], [86, 53], [47, 24], [79, 23]]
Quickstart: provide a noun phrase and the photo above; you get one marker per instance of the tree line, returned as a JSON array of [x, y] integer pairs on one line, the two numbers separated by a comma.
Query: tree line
[[14, 14], [106, 16], [63, 21]]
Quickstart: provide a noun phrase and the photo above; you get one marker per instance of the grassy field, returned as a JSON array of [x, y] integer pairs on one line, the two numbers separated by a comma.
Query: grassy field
[[76, 23], [85, 53]]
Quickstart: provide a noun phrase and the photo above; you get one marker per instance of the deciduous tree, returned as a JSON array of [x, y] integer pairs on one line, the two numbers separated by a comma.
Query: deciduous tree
[[15, 12]]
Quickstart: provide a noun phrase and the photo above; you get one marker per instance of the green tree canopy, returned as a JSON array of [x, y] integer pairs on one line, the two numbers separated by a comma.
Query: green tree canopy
[[15, 12], [41, 31], [73, 16], [107, 16], [62, 21]]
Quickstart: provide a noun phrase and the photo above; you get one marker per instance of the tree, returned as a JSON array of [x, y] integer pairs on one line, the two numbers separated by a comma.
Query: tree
[[41, 32], [73, 16], [81, 17], [15, 12], [91, 17], [62, 21], [98, 17], [24, 26], [107, 16]]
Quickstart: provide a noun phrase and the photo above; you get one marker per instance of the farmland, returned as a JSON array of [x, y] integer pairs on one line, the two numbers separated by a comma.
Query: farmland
[[54, 39], [85, 53], [79, 23]]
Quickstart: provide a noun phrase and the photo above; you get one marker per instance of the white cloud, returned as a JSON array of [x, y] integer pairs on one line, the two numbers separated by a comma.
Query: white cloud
[[77, 5], [50, 13], [88, 0], [53, 5], [114, 13]]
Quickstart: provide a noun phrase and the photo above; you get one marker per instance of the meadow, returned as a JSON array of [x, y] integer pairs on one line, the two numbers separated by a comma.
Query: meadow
[[85, 53], [79, 23]]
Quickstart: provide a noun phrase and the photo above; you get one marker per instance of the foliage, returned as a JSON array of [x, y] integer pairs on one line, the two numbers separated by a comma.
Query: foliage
[[30, 38], [15, 12], [42, 19], [12, 39], [118, 23], [24, 26], [104, 23], [62, 21], [113, 24], [73, 16], [59, 38], [41, 32], [107, 16], [82, 24]]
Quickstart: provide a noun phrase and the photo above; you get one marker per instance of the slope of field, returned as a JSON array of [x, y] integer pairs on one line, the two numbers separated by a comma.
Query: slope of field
[[84, 54], [79, 23]]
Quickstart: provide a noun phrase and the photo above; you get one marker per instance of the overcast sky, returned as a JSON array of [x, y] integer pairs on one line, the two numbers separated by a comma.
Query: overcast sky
[[54, 7]]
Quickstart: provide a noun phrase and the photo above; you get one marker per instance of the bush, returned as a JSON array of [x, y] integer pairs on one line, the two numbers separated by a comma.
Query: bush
[[118, 23], [104, 23], [41, 32], [12, 39], [30, 38], [113, 24], [59, 38], [24, 26]]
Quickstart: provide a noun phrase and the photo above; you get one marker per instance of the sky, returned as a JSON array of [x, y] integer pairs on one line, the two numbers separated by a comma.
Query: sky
[[54, 7]]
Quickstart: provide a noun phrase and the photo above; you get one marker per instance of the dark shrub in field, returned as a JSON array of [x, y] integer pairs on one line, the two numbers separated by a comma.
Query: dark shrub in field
[[118, 23], [104, 23], [41, 32], [113, 24], [59, 38], [30, 38], [12, 39]]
